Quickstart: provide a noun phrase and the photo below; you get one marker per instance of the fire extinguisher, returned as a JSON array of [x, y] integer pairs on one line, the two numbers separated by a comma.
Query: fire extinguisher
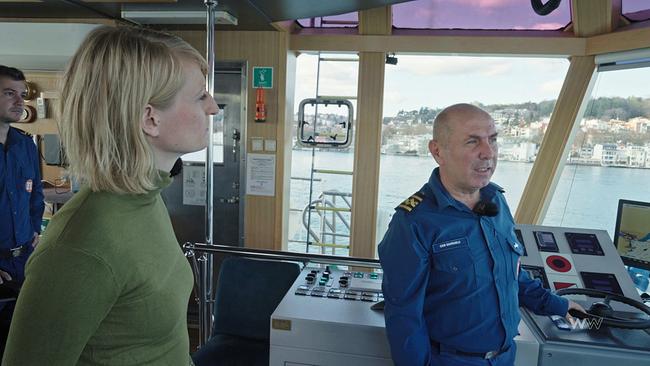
[[260, 107]]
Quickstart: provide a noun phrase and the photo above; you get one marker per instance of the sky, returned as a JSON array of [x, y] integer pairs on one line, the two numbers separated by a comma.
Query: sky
[[438, 81]]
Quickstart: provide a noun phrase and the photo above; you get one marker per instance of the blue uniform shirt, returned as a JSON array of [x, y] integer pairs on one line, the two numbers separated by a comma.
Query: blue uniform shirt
[[452, 277], [21, 196]]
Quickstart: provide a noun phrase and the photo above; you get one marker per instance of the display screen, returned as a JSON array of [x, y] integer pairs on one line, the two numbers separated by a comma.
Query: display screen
[[520, 238], [632, 233], [536, 273], [601, 281], [584, 244], [546, 241]]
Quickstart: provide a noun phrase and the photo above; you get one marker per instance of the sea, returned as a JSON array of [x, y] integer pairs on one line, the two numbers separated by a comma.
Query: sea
[[585, 196]]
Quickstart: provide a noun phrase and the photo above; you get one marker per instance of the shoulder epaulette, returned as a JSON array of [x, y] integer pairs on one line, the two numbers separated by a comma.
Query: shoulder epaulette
[[498, 187], [410, 203]]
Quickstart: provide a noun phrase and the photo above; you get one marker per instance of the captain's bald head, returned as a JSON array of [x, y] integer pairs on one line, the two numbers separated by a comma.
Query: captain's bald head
[[445, 120]]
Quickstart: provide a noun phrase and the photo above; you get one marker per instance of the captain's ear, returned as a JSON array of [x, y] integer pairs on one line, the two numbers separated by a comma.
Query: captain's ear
[[150, 122], [434, 149]]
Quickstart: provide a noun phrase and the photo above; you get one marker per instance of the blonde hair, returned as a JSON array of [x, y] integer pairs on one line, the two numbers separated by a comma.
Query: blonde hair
[[109, 81]]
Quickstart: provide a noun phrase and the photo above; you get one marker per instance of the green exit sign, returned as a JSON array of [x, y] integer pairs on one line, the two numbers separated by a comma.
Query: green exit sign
[[263, 77]]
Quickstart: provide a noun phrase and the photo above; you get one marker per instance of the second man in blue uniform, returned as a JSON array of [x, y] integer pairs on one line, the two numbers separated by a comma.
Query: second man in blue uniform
[[452, 282]]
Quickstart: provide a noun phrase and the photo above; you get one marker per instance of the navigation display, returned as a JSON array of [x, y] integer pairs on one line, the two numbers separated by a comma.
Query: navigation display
[[601, 281], [586, 244], [546, 241], [632, 233]]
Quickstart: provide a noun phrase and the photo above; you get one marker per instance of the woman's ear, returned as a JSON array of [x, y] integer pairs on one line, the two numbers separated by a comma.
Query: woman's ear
[[150, 122]]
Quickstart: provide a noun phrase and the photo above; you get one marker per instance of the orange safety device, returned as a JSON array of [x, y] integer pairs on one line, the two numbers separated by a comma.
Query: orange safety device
[[260, 108]]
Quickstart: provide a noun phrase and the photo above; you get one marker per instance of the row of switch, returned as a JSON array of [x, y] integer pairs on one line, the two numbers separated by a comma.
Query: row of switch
[[337, 293], [344, 281]]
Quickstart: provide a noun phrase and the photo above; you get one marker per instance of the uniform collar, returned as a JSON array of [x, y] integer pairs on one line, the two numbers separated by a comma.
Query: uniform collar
[[444, 199], [13, 137]]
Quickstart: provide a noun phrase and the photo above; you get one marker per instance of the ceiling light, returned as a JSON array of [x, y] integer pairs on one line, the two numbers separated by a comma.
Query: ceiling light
[[176, 17]]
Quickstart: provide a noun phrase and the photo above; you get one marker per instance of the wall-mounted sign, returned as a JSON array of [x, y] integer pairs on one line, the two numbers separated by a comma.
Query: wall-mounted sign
[[263, 77]]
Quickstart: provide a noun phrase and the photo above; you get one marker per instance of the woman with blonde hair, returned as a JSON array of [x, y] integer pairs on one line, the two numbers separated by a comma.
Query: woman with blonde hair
[[109, 284]]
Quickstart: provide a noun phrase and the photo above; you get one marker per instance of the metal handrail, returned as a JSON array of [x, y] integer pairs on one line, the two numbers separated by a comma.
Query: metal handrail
[[280, 255], [330, 171]]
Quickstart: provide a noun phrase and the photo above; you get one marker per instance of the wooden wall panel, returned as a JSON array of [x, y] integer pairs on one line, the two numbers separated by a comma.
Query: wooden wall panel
[[592, 17], [630, 38], [479, 43], [365, 182]]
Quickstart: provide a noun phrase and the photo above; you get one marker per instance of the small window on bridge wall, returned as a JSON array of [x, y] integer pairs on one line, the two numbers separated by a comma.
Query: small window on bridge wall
[[636, 10]]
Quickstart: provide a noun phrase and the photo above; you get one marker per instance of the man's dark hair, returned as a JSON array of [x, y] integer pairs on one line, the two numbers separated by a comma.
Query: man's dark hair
[[12, 73]]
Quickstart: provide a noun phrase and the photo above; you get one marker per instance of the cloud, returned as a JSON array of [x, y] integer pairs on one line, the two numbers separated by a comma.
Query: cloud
[[487, 3], [456, 65], [336, 78], [393, 98], [540, 26], [551, 86]]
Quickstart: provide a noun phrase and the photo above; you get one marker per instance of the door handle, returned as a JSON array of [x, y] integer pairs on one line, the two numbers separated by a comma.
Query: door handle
[[236, 136]]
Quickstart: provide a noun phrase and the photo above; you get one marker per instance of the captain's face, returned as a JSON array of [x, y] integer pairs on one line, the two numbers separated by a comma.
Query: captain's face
[[469, 157], [12, 99]]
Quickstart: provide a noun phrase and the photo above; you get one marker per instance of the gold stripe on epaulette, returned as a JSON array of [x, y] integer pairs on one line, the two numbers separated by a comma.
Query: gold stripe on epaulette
[[410, 203]]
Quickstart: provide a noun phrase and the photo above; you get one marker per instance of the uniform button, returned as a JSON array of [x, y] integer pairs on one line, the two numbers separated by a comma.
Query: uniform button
[[454, 268]]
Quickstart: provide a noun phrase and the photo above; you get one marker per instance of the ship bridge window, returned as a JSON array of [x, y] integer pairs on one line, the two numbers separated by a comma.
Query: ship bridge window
[[418, 87], [321, 176], [478, 14], [609, 157], [636, 10]]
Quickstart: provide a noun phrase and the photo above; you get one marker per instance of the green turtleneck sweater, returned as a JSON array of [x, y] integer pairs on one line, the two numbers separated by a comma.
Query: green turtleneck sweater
[[107, 285]]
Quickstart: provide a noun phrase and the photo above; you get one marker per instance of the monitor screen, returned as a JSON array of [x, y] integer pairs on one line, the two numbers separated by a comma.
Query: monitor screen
[[632, 233], [582, 243], [546, 241]]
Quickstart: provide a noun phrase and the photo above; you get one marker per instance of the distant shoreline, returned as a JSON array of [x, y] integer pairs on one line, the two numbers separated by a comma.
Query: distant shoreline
[[581, 163]]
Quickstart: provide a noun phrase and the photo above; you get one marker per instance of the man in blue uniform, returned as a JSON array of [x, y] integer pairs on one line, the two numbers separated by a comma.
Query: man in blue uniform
[[21, 191], [450, 257]]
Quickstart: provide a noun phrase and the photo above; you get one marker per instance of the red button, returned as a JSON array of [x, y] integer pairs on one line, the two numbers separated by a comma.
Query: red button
[[558, 263]]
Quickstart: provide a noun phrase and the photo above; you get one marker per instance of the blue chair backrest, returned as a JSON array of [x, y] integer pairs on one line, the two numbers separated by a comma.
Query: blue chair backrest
[[248, 291]]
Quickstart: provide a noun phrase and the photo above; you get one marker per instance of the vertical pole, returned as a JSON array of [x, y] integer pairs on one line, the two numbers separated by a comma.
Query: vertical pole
[[206, 303]]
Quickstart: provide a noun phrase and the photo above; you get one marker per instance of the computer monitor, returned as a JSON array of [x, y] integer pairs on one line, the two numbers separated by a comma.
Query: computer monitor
[[632, 233]]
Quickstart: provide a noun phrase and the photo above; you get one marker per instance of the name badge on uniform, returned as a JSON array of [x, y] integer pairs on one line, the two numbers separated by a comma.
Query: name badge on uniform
[[28, 185], [449, 245]]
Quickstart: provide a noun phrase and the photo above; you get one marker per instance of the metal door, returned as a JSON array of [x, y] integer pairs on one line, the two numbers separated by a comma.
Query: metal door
[[185, 198]]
